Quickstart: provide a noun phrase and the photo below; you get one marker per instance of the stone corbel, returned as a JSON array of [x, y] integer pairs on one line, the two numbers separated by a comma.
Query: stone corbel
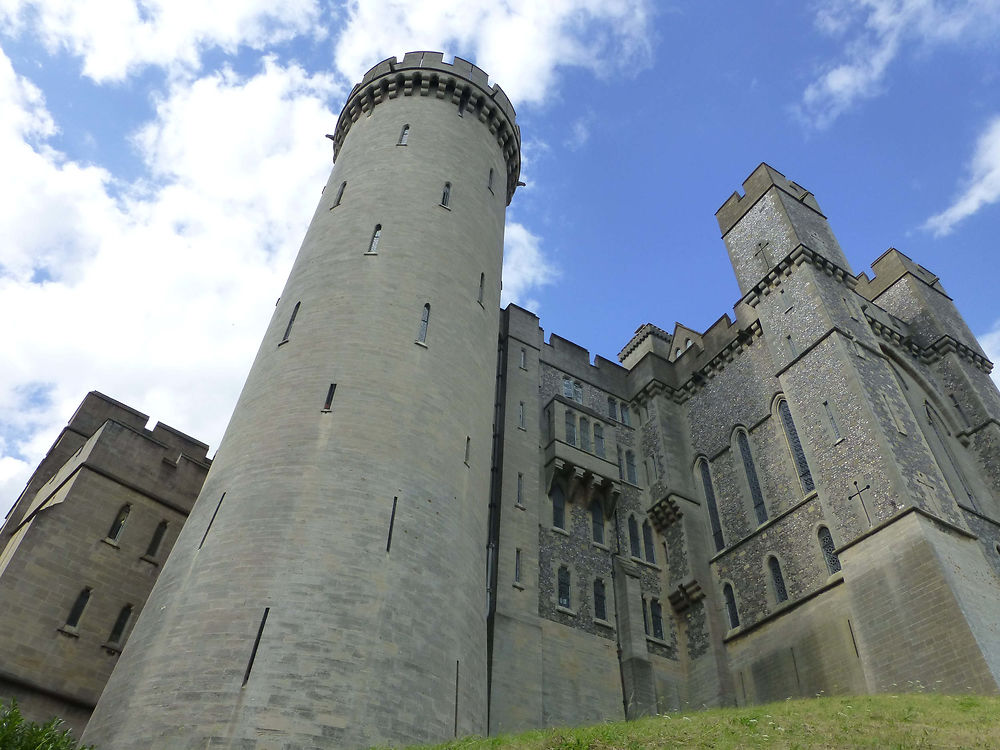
[[685, 595]]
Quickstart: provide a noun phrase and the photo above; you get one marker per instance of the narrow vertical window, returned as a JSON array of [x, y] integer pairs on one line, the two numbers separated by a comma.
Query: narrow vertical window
[[156, 540], [713, 510], [656, 615], [482, 284], [612, 408], [630, 467], [446, 195], [578, 392], [329, 397], [76, 611], [517, 566], [599, 439], [468, 449], [520, 415], [626, 416], [340, 194], [734, 615], [834, 428], [600, 600], [943, 436], [645, 616], [829, 550], [564, 600], [585, 434], [778, 580], [567, 388], [558, 508], [795, 447], [633, 538], [489, 181], [621, 464], [291, 322], [119, 627], [425, 320], [597, 521], [520, 488], [570, 428], [376, 236], [404, 135], [523, 364], [115, 532], [750, 469], [647, 542]]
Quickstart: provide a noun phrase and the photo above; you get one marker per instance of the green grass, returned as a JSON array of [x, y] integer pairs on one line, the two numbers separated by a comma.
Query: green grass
[[878, 721]]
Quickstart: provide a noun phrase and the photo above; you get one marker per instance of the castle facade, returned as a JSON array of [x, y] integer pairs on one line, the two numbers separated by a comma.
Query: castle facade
[[426, 521]]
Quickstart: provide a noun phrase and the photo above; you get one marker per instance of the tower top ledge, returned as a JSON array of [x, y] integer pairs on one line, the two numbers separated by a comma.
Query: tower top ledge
[[759, 182]]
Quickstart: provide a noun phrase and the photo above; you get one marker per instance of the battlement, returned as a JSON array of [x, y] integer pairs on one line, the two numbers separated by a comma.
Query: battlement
[[762, 179], [461, 83], [889, 268]]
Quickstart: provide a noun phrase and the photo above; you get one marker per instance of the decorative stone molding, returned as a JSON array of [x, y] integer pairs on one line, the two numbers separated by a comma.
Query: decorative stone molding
[[685, 595], [665, 513], [798, 256]]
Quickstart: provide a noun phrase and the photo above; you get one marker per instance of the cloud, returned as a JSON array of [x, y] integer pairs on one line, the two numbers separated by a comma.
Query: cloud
[[579, 134], [115, 38], [875, 32], [525, 267], [991, 345], [521, 43], [982, 185]]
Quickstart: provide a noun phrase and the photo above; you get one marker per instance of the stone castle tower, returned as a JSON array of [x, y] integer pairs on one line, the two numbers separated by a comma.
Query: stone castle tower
[[335, 561]]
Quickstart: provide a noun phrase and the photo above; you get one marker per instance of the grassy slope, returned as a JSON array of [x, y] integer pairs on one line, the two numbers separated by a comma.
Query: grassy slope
[[880, 721]]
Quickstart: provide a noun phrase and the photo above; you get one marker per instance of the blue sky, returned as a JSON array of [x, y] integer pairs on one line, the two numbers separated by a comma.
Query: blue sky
[[162, 159]]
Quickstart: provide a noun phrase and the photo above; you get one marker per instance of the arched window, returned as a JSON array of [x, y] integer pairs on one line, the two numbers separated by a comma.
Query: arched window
[[119, 523], [599, 439], [563, 576], [340, 194], [647, 542], [795, 447], [404, 135], [734, 615], [584, 434], [612, 408], [489, 182], [446, 195], [829, 550], [482, 285], [597, 521], [577, 392], [645, 616], [656, 615], [376, 236], [751, 473], [713, 510], [570, 427], [600, 600], [291, 320], [626, 416], [630, 467], [777, 580], [425, 320], [633, 538], [119, 628], [621, 463], [76, 611], [558, 507], [567, 387], [952, 471], [156, 540]]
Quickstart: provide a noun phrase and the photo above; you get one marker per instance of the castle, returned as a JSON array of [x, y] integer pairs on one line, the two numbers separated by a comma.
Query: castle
[[425, 521]]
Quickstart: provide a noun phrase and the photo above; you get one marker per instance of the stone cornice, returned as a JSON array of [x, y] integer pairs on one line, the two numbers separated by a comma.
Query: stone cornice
[[799, 255], [461, 84], [934, 352]]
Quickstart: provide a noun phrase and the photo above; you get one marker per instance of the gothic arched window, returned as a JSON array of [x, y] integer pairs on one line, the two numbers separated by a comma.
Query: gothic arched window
[[404, 135], [563, 578], [340, 194], [713, 510], [829, 550], [795, 447], [489, 182], [952, 470], [630, 467], [777, 580], [425, 320], [567, 388], [597, 521], [558, 507], [376, 236], [585, 434], [156, 540], [291, 320], [600, 600], [751, 474], [599, 439], [119, 523], [570, 427], [119, 627], [633, 538], [446, 195], [612, 408], [76, 611], [656, 615], [734, 615], [647, 542]]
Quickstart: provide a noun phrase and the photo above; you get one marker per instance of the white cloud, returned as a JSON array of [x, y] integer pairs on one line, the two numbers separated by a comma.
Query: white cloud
[[158, 298], [520, 43], [875, 32], [525, 267], [991, 345], [114, 37], [579, 134], [982, 185]]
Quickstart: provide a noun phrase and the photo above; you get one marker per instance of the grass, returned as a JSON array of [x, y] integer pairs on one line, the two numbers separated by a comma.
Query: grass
[[877, 721]]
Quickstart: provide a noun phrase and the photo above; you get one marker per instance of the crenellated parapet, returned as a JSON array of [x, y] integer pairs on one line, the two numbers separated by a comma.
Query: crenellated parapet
[[460, 83]]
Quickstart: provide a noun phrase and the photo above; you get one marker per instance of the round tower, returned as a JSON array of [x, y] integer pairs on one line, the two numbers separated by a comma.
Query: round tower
[[329, 587]]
